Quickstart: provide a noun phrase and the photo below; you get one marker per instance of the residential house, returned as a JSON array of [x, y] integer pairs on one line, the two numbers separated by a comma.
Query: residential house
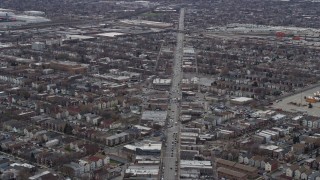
[[311, 123], [75, 112], [106, 103], [271, 166], [73, 169], [75, 145], [92, 118], [314, 175], [290, 170], [59, 113], [258, 161], [263, 163], [246, 159], [240, 158], [298, 148], [89, 148], [252, 161], [308, 163], [55, 125], [14, 125], [87, 165], [94, 162], [97, 161], [305, 175], [105, 159], [33, 133], [52, 159], [49, 135], [298, 172]]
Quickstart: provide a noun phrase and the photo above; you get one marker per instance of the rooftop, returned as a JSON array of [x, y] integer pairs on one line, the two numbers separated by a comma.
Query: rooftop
[[154, 115], [242, 99], [195, 164], [143, 170]]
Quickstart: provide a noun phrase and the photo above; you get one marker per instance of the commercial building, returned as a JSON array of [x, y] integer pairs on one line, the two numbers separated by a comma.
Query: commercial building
[[154, 117], [251, 172], [205, 167], [142, 172], [230, 174], [241, 100], [70, 67], [38, 46], [161, 84], [144, 149]]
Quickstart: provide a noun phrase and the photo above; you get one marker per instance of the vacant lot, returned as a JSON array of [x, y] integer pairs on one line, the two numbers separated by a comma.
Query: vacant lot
[[302, 106]]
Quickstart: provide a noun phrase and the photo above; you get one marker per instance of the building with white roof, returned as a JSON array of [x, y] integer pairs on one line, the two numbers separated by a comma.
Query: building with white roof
[[154, 117], [139, 171], [278, 117], [144, 149], [110, 34], [241, 100], [205, 167]]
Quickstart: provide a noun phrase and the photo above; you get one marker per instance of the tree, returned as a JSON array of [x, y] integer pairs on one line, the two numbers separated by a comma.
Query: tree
[[296, 139], [68, 129], [25, 94], [41, 88], [156, 127], [33, 158], [255, 84], [90, 99], [277, 93], [224, 71], [106, 114]]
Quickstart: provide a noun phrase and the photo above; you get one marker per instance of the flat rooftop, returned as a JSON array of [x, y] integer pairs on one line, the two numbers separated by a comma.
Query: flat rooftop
[[154, 115], [242, 99], [142, 170], [195, 164], [110, 34]]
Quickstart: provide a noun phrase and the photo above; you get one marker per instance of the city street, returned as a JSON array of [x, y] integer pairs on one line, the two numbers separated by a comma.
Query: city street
[[171, 150]]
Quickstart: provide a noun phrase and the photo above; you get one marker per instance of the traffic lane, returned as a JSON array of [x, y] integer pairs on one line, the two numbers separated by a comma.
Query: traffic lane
[[175, 114]]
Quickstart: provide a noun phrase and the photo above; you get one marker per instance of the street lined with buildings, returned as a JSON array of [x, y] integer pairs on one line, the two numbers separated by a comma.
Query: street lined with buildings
[[171, 151]]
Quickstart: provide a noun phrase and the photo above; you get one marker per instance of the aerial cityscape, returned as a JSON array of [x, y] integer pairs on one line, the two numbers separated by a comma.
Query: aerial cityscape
[[159, 90]]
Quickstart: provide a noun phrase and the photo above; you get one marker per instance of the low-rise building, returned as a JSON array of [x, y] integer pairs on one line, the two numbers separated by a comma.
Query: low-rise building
[[117, 139], [205, 167], [230, 174]]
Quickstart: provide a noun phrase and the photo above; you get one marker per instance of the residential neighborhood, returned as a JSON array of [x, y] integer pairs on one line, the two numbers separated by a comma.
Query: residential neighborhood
[[148, 90]]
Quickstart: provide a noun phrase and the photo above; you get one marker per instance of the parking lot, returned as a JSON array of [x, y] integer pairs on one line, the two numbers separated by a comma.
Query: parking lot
[[302, 106]]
